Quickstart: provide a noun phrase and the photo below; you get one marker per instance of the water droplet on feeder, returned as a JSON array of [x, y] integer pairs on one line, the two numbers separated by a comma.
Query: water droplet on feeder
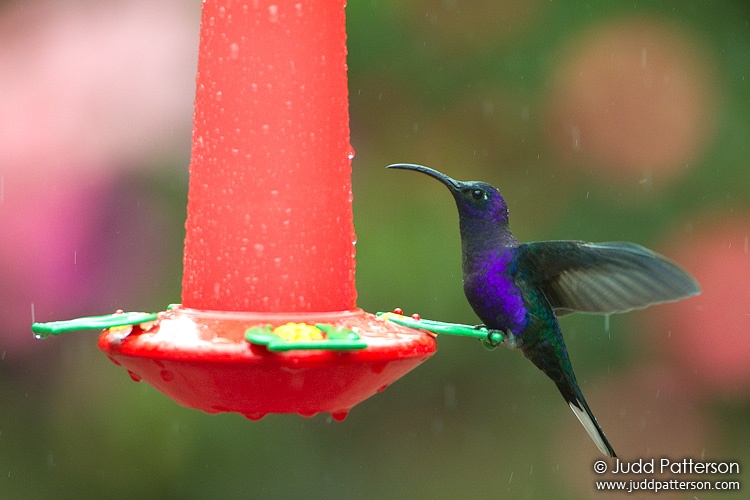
[[166, 375], [234, 51], [135, 376], [273, 13], [298, 9]]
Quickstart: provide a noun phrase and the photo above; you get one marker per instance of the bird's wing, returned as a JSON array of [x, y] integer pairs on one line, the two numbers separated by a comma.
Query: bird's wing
[[602, 277]]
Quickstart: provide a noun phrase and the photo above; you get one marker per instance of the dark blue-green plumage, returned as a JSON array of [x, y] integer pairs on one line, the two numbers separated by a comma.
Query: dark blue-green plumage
[[521, 288]]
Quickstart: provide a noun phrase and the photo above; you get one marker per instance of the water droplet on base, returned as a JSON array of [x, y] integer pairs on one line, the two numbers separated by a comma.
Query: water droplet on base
[[254, 416], [340, 415]]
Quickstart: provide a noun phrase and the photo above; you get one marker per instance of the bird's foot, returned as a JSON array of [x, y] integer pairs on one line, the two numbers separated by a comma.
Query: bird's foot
[[494, 338]]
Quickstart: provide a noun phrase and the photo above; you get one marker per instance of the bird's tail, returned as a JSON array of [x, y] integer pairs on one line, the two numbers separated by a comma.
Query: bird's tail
[[558, 368], [587, 419]]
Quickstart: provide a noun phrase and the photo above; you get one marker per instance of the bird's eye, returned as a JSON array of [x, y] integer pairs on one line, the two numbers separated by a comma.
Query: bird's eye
[[478, 194]]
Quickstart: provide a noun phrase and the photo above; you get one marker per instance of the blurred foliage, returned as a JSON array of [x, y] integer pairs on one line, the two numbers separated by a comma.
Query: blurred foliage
[[461, 87]]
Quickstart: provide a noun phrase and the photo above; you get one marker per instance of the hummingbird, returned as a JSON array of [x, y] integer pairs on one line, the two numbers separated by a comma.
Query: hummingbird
[[520, 289]]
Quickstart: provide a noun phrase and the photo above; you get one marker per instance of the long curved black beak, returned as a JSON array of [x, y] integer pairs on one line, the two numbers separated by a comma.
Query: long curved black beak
[[450, 183]]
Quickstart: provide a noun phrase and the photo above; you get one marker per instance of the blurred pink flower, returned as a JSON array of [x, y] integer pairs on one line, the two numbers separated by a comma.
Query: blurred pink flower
[[634, 99], [708, 336]]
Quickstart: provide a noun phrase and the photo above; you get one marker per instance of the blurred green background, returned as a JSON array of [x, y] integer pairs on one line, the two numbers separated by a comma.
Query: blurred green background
[[597, 121]]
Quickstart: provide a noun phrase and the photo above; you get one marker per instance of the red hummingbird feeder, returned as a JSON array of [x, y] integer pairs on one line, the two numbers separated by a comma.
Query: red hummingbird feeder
[[268, 321]]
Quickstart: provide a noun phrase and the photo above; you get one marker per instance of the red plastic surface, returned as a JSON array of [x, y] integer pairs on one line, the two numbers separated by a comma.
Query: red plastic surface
[[269, 225], [199, 359]]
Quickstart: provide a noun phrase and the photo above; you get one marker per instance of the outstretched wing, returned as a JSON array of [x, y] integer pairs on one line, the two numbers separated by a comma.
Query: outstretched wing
[[602, 277]]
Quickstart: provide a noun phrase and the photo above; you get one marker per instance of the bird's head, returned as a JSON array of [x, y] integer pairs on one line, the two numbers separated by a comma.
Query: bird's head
[[476, 201]]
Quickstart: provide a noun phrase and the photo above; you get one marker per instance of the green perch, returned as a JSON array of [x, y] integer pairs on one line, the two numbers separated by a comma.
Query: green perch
[[43, 330], [490, 338]]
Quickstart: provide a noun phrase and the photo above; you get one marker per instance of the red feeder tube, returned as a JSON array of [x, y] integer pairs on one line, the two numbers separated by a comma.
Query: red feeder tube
[[269, 225], [269, 232]]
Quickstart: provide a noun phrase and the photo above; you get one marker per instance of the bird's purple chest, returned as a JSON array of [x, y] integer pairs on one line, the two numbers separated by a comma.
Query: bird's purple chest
[[492, 292]]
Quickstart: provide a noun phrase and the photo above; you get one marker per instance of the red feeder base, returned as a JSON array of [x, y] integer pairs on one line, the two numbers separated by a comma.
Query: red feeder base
[[202, 360]]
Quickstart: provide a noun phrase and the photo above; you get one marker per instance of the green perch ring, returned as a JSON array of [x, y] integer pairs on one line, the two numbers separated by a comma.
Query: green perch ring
[[288, 337]]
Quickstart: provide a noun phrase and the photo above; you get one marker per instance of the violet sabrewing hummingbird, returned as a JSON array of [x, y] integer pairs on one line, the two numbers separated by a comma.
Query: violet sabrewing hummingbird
[[520, 289]]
